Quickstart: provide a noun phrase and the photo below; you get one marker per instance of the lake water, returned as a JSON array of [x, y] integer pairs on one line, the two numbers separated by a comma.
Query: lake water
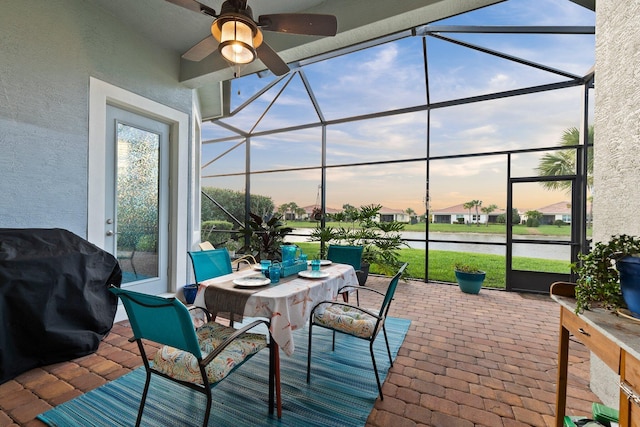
[[543, 251]]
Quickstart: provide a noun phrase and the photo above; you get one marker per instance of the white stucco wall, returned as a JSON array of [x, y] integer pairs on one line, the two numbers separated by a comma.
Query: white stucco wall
[[617, 120], [48, 51], [616, 201]]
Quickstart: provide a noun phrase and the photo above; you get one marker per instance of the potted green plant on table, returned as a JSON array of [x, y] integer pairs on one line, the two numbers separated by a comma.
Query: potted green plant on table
[[469, 277], [609, 275], [265, 237]]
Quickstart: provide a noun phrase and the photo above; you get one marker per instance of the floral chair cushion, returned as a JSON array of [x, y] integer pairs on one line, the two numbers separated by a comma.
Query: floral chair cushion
[[347, 319], [183, 366]]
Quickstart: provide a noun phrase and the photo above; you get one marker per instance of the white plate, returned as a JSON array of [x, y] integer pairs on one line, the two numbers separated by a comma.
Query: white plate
[[251, 281], [322, 262], [310, 274], [257, 267]]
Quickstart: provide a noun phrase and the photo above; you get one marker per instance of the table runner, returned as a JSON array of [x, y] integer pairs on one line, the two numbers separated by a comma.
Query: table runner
[[225, 298]]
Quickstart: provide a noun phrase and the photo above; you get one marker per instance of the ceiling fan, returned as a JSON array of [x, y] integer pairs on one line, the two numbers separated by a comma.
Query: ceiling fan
[[238, 38]]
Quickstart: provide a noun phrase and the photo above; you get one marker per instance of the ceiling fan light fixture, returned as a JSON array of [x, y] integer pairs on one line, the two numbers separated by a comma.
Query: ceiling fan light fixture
[[238, 39]]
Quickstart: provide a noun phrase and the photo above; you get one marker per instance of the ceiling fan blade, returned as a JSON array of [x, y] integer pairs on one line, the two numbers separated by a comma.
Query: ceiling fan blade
[[300, 23], [194, 6], [201, 50], [272, 60]]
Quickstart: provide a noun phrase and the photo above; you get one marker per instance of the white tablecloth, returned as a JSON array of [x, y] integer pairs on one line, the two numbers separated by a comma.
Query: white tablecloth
[[288, 304]]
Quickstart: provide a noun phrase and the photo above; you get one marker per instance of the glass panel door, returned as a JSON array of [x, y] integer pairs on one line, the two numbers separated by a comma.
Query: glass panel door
[[136, 226]]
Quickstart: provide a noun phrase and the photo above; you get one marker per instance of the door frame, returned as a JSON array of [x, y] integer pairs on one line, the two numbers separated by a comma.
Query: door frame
[[538, 281], [101, 94]]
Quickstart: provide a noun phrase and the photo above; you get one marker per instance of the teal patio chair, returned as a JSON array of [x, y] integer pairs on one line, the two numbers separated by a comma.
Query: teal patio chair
[[210, 264], [351, 255], [195, 358], [356, 321]]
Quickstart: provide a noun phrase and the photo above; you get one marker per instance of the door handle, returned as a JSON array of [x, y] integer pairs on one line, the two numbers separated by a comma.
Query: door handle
[[109, 233]]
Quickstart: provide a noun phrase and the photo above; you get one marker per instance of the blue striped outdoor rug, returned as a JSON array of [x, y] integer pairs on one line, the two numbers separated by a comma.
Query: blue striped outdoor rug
[[341, 393]]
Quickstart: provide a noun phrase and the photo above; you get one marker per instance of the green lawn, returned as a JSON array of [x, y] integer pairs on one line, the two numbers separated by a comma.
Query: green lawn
[[441, 264], [545, 230]]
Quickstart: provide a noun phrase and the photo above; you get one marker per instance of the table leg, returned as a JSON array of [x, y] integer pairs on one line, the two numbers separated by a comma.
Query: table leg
[[278, 388], [561, 384]]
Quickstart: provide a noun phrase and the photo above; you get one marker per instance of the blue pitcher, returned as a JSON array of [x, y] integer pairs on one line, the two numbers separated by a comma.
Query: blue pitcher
[[289, 254]]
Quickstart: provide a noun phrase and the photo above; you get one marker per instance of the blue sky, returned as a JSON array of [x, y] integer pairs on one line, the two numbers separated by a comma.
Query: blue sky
[[391, 76]]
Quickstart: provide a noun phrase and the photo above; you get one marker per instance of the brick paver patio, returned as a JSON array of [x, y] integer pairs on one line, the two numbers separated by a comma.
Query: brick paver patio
[[468, 360]]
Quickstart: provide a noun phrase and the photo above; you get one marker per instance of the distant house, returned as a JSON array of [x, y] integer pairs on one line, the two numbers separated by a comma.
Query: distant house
[[459, 215], [389, 215], [308, 210], [557, 211]]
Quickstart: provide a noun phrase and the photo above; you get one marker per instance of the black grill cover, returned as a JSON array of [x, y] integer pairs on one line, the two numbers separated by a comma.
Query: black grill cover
[[54, 299]]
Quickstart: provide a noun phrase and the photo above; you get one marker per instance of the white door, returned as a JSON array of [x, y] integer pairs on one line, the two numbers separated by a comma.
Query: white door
[[137, 193]]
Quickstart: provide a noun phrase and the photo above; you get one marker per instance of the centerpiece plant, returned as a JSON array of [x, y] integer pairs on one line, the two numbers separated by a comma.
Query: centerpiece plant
[[598, 282], [265, 237]]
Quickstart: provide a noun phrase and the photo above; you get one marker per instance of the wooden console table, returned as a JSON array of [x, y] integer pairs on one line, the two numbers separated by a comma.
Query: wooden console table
[[615, 340]]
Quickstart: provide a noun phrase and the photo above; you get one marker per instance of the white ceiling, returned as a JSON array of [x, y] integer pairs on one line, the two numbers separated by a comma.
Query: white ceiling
[[178, 29]]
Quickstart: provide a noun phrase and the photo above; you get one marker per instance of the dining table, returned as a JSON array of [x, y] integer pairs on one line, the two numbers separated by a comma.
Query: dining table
[[287, 303]]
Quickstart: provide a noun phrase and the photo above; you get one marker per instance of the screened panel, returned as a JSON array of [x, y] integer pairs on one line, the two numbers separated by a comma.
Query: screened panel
[[248, 117], [544, 163], [211, 131], [457, 72], [547, 201], [369, 81], [468, 192], [524, 12], [397, 187], [292, 107], [219, 158], [246, 87], [528, 121], [294, 189], [381, 139], [285, 150]]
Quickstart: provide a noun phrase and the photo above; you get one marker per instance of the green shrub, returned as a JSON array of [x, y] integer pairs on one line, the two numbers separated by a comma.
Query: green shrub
[[214, 232]]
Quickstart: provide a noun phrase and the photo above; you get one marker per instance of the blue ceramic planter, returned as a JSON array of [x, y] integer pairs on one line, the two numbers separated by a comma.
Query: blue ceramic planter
[[470, 283], [190, 292], [629, 269]]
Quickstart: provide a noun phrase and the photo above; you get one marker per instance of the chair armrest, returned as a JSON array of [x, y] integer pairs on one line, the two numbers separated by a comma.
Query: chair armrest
[[249, 259], [344, 304], [206, 312], [360, 288], [230, 339]]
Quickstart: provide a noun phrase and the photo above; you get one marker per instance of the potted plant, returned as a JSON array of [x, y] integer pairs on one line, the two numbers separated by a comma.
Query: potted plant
[[380, 240], [232, 246], [265, 237], [607, 275], [469, 277]]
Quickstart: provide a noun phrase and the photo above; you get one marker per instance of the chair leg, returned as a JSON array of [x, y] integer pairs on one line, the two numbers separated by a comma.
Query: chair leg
[[274, 377], [386, 341], [309, 354], [143, 399], [333, 341], [208, 409], [375, 370]]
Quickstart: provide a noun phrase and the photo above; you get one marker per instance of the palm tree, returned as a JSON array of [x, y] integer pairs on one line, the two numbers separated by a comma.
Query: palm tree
[[563, 162], [487, 210], [468, 206], [477, 204]]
